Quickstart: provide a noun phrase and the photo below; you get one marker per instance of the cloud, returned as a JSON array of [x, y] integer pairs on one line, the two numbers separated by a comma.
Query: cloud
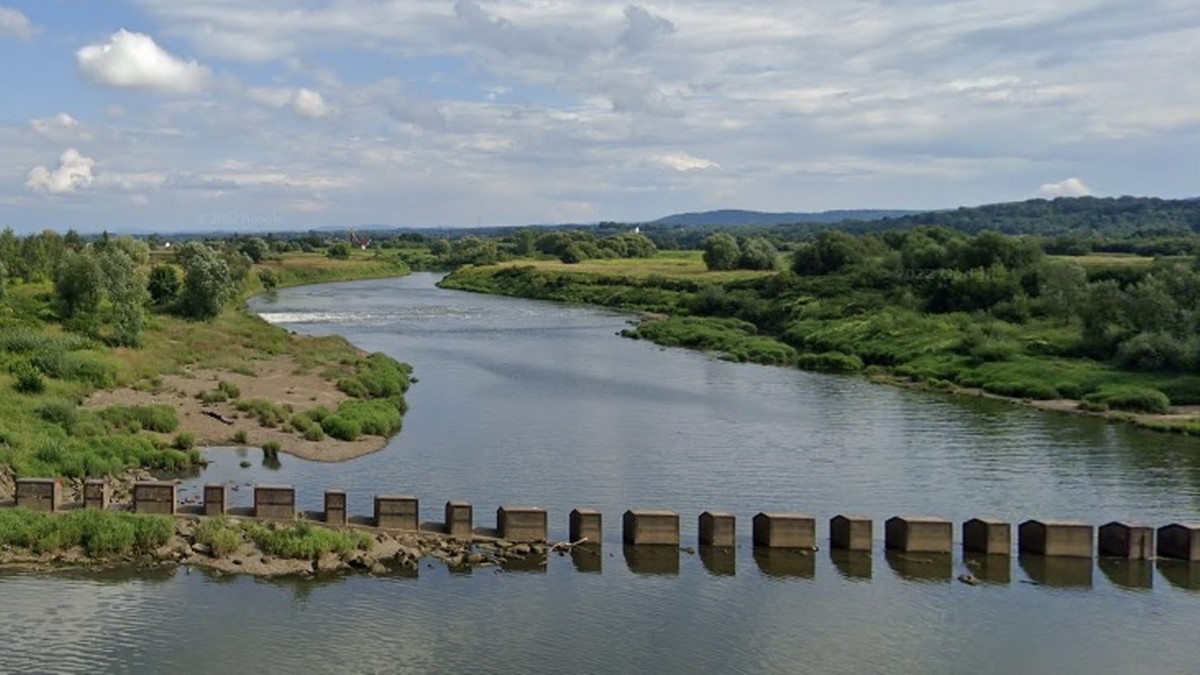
[[682, 161], [74, 172], [643, 28], [51, 126], [135, 61], [304, 102], [1071, 187], [15, 25]]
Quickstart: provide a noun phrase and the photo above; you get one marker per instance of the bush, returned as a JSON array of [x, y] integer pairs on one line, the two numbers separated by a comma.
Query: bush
[[229, 389], [830, 362], [314, 433], [268, 414], [1130, 397], [160, 418], [184, 441], [62, 413], [28, 379], [271, 449], [303, 541], [341, 428], [377, 376], [100, 533], [240, 436], [213, 396], [81, 366], [220, 536]]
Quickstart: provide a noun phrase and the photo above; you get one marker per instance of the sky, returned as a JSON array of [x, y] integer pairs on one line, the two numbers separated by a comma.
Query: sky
[[162, 115]]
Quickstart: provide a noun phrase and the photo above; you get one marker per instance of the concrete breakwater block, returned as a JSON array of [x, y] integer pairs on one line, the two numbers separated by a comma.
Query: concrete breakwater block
[[987, 535], [851, 533], [1127, 540], [459, 519], [586, 524], [159, 497], [642, 526], [216, 499], [335, 507], [39, 494], [277, 502], [1180, 541], [785, 530], [1066, 538], [918, 534], [522, 523], [718, 529], [397, 512], [96, 494]]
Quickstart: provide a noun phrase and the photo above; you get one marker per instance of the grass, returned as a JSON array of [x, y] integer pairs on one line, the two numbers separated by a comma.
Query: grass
[[100, 533], [304, 541]]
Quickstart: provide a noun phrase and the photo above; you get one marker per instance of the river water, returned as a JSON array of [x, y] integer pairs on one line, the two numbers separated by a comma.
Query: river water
[[522, 402]]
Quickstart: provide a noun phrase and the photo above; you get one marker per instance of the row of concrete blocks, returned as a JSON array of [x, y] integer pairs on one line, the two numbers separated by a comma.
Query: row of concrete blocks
[[648, 527]]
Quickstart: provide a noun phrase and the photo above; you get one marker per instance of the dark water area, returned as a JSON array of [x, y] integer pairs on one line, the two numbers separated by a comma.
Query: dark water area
[[522, 402]]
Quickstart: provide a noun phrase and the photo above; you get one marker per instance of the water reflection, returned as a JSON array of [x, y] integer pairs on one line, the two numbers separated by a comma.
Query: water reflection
[[989, 568], [782, 563], [921, 567], [1180, 573], [1057, 571], [719, 561], [1137, 575], [588, 558], [852, 565], [650, 559]]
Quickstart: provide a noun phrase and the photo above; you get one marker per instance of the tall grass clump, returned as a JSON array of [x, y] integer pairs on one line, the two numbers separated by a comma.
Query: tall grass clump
[[377, 376], [304, 541], [221, 536], [1129, 397], [160, 418], [100, 533], [354, 417]]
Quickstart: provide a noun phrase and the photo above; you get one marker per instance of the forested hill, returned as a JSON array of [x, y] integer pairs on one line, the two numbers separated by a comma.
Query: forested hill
[[1110, 217], [734, 217]]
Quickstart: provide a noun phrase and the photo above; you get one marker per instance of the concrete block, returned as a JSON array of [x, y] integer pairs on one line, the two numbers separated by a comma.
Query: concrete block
[[651, 527], [155, 497], [1180, 541], [851, 533], [521, 523], [718, 529], [988, 536], [918, 535], [216, 499], [587, 524], [277, 502], [96, 494], [459, 519], [335, 507], [1127, 540], [785, 530], [39, 494], [397, 512], [1066, 538]]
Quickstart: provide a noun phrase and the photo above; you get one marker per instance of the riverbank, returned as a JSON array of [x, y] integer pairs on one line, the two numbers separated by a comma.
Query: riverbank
[[104, 539], [824, 324], [232, 380]]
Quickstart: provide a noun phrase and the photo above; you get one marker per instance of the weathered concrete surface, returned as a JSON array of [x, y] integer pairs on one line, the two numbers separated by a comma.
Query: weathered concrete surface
[[651, 527], [277, 502], [785, 530], [1180, 541], [396, 512], [38, 494], [159, 497], [525, 524], [97, 494], [718, 529], [913, 534], [1127, 540], [850, 533], [1066, 538], [988, 536], [335, 507], [586, 524], [459, 519], [216, 499]]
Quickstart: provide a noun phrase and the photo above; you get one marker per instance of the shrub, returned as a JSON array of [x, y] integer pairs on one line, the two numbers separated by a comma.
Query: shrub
[[830, 362], [268, 414], [318, 413], [314, 433], [304, 541], [240, 437], [341, 428], [28, 379], [81, 366], [213, 396], [271, 449], [62, 413], [220, 536], [229, 389], [1130, 397], [184, 441], [160, 418]]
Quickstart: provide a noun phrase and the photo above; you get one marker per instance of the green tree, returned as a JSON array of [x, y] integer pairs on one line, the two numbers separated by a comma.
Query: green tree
[[758, 253], [79, 285], [1061, 287], [126, 287], [721, 252], [269, 279], [207, 284], [831, 251], [339, 250], [164, 284], [255, 248]]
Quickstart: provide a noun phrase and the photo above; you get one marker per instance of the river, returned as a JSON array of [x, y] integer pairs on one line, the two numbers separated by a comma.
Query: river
[[523, 402]]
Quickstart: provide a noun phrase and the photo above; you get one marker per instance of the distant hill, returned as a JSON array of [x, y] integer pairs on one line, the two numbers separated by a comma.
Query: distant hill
[[735, 217]]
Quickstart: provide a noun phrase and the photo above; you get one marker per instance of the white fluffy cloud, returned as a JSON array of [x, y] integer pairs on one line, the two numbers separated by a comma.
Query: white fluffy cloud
[[14, 24], [74, 172], [682, 161], [135, 61], [302, 101], [1071, 187]]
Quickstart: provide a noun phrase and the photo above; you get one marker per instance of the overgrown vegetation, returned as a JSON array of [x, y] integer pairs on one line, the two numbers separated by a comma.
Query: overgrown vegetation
[[100, 533]]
